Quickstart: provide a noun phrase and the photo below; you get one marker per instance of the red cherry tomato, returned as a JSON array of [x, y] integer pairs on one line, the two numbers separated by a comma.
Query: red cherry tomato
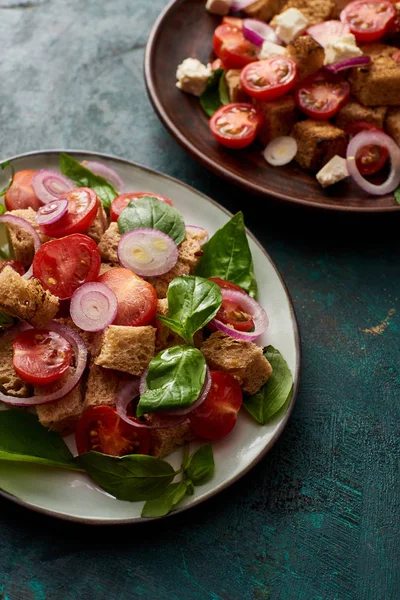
[[226, 285], [230, 45], [236, 125], [217, 415], [270, 78], [369, 20], [20, 194], [231, 313], [325, 32], [371, 158], [41, 356], [64, 265], [14, 264], [137, 298], [322, 95], [83, 204], [122, 202], [101, 429]]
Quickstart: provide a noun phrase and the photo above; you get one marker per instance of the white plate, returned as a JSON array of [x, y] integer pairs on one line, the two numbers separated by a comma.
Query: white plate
[[75, 497]]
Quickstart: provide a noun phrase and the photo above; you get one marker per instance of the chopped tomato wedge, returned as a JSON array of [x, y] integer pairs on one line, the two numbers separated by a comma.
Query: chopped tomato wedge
[[328, 31], [236, 125], [371, 158], [322, 95], [101, 429], [122, 202], [64, 265], [14, 264], [41, 356], [217, 415], [369, 20], [227, 285], [270, 78], [20, 194], [83, 204], [217, 64], [230, 45]]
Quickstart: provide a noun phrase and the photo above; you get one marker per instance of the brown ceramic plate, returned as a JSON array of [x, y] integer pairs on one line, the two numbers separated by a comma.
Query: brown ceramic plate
[[185, 29]]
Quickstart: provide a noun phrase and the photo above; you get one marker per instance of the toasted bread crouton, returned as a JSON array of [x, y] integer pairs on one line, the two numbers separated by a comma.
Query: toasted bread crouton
[[354, 111], [378, 83], [392, 124], [307, 54], [162, 282], [62, 415], [21, 240], [102, 387], [279, 117], [264, 9], [235, 90], [165, 337], [99, 225], [243, 360], [26, 299], [165, 441], [105, 266], [318, 142], [108, 246], [92, 339], [315, 11], [10, 383], [190, 252], [198, 234], [127, 349]]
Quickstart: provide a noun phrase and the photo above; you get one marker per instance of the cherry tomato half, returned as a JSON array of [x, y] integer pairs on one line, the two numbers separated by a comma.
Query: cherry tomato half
[[14, 264], [270, 78], [369, 19], [231, 313], [64, 265], [122, 202], [41, 356], [137, 298], [101, 429], [236, 125], [371, 158], [217, 415], [83, 204], [230, 45], [322, 95], [226, 285], [20, 194]]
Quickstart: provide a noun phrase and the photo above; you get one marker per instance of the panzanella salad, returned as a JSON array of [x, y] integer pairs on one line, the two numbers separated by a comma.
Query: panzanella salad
[[311, 82], [130, 329]]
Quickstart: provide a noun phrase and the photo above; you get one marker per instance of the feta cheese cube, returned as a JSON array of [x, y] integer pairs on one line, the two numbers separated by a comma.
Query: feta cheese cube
[[290, 24], [335, 170], [341, 49], [219, 7], [193, 76], [269, 49]]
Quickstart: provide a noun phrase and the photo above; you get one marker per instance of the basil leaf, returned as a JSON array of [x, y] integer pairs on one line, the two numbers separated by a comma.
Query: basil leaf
[[2, 208], [201, 465], [223, 90], [210, 98], [175, 379], [133, 478], [227, 255], [24, 439], [192, 303], [4, 190], [161, 506], [275, 392], [83, 177], [397, 195], [149, 212]]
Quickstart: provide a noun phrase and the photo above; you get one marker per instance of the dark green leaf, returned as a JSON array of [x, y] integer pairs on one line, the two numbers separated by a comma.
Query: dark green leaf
[[192, 303], [397, 195], [133, 478], [149, 212], [223, 90], [189, 487], [5, 255], [210, 99], [4, 190], [201, 465], [84, 178], [174, 380], [227, 255], [275, 392], [166, 502]]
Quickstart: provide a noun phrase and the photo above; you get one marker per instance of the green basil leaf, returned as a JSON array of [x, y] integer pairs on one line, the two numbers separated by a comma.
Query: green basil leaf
[[4, 190], [210, 99], [227, 255], [5, 254], [275, 392], [83, 177], [223, 90], [149, 212], [189, 487], [192, 303], [2, 208], [161, 506], [24, 439], [397, 195], [133, 478], [201, 465], [175, 379]]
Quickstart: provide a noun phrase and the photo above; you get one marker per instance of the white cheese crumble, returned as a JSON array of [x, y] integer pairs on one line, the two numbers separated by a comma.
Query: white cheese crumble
[[335, 170], [219, 7], [290, 24], [193, 76], [269, 49], [341, 49]]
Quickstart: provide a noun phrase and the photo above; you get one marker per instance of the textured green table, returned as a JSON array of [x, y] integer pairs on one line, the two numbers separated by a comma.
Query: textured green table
[[316, 520]]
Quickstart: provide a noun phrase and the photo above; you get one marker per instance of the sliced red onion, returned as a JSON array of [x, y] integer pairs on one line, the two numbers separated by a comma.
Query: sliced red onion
[[50, 185], [80, 354], [106, 172], [147, 252], [377, 138], [357, 61], [52, 212], [196, 230], [257, 32], [328, 32], [93, 306], [251, 306], [23, 224], [203, 395], [238, 5]]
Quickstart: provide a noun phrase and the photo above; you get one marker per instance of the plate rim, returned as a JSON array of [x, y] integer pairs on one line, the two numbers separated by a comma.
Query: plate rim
[[203, 159], [296, 374]]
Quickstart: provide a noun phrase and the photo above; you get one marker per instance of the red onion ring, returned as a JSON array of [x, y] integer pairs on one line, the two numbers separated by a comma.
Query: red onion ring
[[195, 230], [378, 138], [238, 5], [52, 212], [106, 172], [23, 224], [251, 306], [50, 185], [93, 306], [157, 252], [257, 32], [357, 61], [80, 353], [328, 31]]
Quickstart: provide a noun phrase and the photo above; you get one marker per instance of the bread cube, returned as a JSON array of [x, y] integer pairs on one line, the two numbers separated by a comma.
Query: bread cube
[[236, 92], [165, 441], [190, 252], [318, 142], [307, 54], [279, 117], [264, 9], [354, 111], [10, 383], [99, 225], [127, 349], [21, 241], [62, 415], [108, 246], [315, 11], [392, 124], [162, 282], [102, 387], [378, 83]]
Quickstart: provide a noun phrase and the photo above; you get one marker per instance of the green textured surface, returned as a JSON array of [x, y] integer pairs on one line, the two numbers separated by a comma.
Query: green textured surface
[[318, 518]]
